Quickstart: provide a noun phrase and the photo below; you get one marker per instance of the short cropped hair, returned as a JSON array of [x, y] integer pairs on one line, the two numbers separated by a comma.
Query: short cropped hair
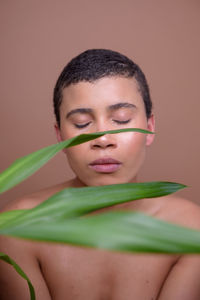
[[94, 64]]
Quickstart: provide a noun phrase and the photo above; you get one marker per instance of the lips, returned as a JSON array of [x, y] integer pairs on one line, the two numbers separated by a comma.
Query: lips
[[105, 165]]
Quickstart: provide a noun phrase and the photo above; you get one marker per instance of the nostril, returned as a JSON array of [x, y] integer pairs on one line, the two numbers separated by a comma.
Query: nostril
[[103, 142], [103, 145]]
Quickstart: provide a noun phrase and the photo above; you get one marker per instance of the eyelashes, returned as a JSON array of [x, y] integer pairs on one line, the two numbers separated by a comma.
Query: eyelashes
[[122, 122], [80, 126]]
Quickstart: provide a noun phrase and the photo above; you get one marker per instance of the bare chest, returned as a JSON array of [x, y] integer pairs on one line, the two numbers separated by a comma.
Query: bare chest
[[80, 273]]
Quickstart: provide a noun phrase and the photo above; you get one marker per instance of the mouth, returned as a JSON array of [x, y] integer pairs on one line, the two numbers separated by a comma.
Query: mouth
[[105, 165]]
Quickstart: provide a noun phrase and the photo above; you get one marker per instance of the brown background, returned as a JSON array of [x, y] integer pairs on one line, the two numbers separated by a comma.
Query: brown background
[[39, 37]]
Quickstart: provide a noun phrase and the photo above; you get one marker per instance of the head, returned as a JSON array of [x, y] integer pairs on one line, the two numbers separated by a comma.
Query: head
[[94, 64], [103, 90]]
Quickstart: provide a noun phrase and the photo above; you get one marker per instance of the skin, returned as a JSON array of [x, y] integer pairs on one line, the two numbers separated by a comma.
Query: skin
[[64, 272]]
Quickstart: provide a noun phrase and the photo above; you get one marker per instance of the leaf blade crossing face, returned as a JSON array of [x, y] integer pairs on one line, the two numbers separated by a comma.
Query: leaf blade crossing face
[[24, 167]]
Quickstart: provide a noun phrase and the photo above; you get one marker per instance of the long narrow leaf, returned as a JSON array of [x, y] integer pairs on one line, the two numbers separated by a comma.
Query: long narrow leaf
[[50, 220], [27, 165], [10, 261], [120, 231], [73, 202], [8, 216]]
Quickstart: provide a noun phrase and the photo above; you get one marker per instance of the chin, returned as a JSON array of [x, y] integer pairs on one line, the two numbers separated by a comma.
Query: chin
[[107, 180]]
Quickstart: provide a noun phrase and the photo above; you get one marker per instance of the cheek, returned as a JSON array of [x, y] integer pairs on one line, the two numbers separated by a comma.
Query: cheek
[[65, 135], [75, 154], [66, 132], [134, 155], [134, 151], [72, 154], [133, 141]]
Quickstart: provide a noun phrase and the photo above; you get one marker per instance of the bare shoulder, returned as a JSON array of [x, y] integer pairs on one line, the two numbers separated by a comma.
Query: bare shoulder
[[180, 211], [182, 282], [34, 199], [24, 252]]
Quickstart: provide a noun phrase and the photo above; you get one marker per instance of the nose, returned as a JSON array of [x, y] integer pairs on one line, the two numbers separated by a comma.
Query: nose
[[104, 142]]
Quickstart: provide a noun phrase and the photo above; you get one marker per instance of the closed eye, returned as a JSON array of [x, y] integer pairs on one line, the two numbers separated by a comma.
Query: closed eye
[[82, 125], [122, 122], [116, 121]]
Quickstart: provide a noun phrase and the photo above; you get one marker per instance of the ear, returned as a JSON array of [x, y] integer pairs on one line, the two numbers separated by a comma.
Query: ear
[[150, 127], [58, 135]]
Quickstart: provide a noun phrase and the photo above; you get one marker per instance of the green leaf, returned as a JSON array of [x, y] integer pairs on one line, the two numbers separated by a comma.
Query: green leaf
[[72, 202], [8, 216], [10, 261], [119, 231], [27, 165], [54, 221]]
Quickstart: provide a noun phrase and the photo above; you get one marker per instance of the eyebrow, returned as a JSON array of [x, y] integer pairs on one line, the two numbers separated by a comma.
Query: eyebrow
[[121, 105], [80, 111], [110, 107]]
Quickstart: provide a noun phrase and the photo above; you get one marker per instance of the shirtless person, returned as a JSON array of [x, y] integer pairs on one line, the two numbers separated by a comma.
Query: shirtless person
[[103, 90]]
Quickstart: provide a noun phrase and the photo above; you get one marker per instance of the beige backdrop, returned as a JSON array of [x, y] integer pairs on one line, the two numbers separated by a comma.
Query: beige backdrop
[[39, 37]]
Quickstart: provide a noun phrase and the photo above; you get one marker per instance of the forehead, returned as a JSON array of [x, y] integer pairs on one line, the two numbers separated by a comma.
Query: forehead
[[104, 91]]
